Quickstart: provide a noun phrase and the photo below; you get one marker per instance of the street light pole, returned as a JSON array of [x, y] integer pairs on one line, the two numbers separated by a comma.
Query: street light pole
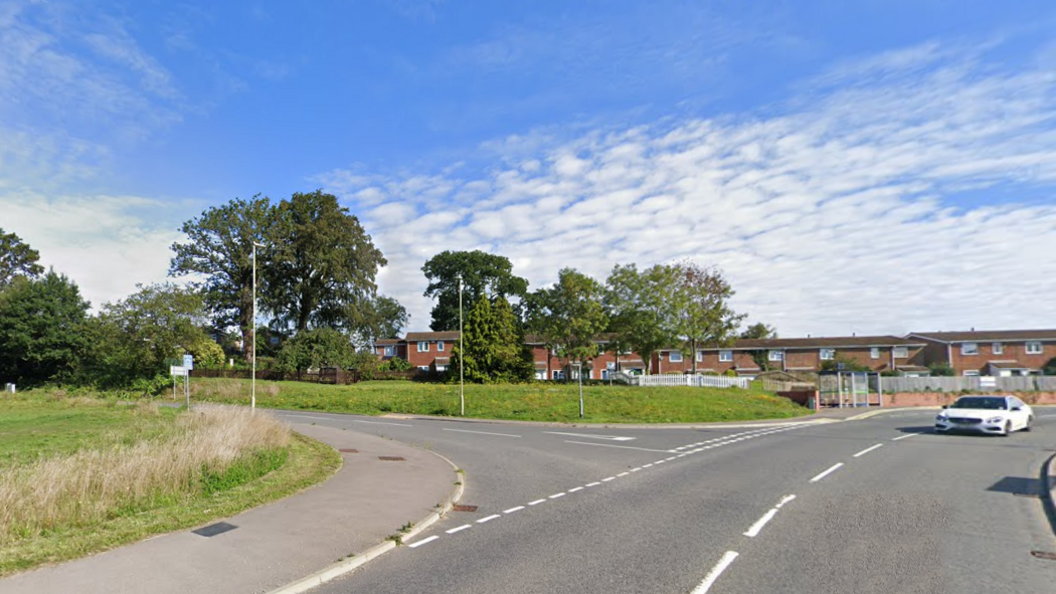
[[253, 380], [579, 375], [461, 354]]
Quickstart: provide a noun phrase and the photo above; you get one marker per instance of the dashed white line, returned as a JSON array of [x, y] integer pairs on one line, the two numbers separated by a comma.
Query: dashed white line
[[459, 529], [488, 519], [867, 450], [611, 478], [594, 484], [592, 436], [784, 500], [715, 572], [826, 473], [381, 423], [623, 474], [755, 528], [574, 489], [556, 495], [636, 469], [905, 436], [513, 509], [537, 502], [609, 445], [423, 541], [482, 433]]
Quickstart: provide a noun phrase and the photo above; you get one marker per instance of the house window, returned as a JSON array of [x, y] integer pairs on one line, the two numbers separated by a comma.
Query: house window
[[969, 348], [828, 354], [440, 346], [540, 375], [390, 351], [700, 356], [675, 356], [559, 374], [901, 352], [726, 356], [441, 368], [1033, 348], [423, 368], [874, 353], [776, 356], [423, 346], [999, 349]]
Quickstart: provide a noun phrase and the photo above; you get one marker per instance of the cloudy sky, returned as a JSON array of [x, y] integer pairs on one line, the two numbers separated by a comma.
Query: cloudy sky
[[873, 166]]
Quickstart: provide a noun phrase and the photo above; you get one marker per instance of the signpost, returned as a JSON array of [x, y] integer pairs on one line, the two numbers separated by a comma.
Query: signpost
[[183, 370]]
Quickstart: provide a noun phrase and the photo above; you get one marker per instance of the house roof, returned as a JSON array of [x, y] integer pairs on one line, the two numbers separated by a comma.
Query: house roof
[[387, 341], [750, 344], [987, 335], [419, 336]]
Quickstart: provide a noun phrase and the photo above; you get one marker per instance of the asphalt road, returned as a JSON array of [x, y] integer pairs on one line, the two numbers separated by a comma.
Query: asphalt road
[[871, 506]]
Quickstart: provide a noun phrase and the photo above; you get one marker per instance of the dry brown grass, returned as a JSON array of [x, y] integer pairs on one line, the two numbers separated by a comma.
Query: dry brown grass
[[92, 485]]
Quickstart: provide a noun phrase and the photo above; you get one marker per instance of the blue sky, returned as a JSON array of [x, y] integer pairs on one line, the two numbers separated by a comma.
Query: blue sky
[[868, 167]]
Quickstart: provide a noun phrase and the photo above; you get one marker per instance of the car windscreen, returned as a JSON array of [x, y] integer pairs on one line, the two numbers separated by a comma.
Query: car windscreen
[[984, 403]]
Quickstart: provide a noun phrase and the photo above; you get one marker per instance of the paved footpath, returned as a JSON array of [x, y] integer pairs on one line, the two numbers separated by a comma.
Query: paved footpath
[[276, 544]]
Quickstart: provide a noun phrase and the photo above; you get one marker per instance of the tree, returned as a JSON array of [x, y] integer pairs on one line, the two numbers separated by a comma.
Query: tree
[[16, 259], [482, 274], [219, 246], [759, 331], [322, 265], [494, 346], [316, 348], [569, 316], [644, 307], [383, 317], [41, 324], [702, 296]]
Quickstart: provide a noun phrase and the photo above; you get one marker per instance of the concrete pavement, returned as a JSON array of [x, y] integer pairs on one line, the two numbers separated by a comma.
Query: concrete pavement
[[335, 525]]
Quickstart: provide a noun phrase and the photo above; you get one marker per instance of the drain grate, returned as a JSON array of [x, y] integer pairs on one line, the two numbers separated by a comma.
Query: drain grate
[[348, 451], [214, 529], [1044, 555], [392, 458], [464, 508]]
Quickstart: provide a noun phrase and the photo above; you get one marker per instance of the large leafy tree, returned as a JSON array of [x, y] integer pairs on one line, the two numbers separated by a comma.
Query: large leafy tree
[[494, 349], [703, 296], [482, 274], [219, 248], [16, 259], [644, 308], [383, 317], [317, 347], [41, 324], [570, 315], [322, 265]]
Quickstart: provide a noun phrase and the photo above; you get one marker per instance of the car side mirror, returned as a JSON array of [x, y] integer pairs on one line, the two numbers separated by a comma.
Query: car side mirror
[[1015, 408], [945, 406]]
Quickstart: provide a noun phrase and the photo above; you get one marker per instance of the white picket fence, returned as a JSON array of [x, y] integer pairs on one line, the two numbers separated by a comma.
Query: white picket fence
[[697, 381]]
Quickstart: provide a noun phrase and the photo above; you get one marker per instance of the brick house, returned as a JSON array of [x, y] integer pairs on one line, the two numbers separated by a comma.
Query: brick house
[[999, 353], [387, 348], [550, 366], [878, 353], [430, 351]]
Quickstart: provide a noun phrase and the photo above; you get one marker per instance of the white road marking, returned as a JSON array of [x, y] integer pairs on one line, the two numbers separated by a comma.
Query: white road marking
[[460, 528], [574, 489], [537, 502], [715, 572], [595, 484], [647, 465], [660, 462], [867, 450], [482, 432], [488, 519], [556, 495], [513, 509], [422, 542], [592, 436], [755, 528], [609, 445], [296, 416], [827, 472], [382, 423], [784, 500], [605, 480], [623, 474], [636, 469], [905, 436]]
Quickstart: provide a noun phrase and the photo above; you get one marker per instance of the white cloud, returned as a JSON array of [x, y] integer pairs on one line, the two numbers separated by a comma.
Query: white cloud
[[840, 214]]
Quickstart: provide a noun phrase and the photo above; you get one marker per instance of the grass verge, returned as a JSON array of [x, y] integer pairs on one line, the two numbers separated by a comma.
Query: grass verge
[[551, 402], [34, 538]]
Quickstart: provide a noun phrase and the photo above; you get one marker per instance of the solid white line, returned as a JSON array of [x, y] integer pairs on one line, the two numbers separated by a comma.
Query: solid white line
[[556, 495], [381, 423], [488, 519], [867, 450], [905, 436], [537, 502], [594, 484], [715, 572], [826, 473], [482, 432], [593, 436], [574, 489], [758, 525], [296, 416], [460, 528], [513, 509], [422, 542], [609, 445]]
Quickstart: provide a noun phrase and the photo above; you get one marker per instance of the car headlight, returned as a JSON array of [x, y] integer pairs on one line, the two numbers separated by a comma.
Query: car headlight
[[940, 418], [995, 419]]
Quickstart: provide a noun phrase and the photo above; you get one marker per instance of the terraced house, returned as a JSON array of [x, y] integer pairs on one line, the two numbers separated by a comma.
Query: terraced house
[[999, 353]]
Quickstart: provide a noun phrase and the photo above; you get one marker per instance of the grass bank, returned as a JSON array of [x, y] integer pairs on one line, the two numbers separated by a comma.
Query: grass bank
[[552, 402], [80, 475]]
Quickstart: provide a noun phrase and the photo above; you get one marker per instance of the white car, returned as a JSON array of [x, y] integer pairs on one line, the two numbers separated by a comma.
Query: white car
[[994, 414]]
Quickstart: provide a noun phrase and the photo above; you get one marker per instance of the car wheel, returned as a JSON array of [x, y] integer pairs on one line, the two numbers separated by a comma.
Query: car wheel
[[1030, 421], [1008, 429]]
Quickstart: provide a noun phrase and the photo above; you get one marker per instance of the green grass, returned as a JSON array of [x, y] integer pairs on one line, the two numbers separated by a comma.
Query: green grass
[[551, 402], [37, 425]]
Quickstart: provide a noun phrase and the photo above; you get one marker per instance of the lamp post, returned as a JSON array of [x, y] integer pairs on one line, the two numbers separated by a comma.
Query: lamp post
[[579, 375], [253, 380], [461, 354]]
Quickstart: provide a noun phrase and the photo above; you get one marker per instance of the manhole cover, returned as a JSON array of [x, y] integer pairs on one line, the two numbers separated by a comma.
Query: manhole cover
[[1044, 555], [348, 451], [464, 508], [391, 458], [214, 529]]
